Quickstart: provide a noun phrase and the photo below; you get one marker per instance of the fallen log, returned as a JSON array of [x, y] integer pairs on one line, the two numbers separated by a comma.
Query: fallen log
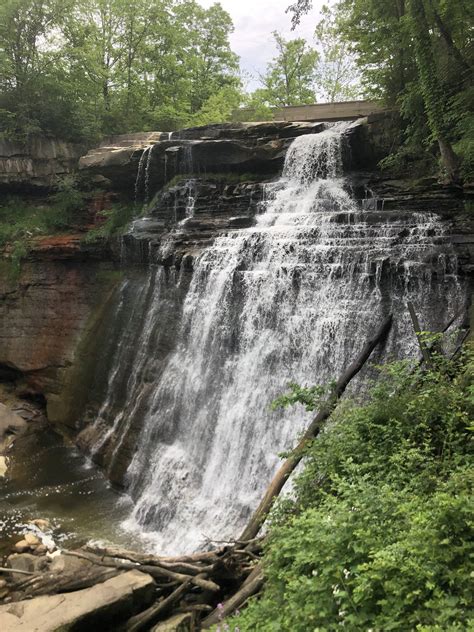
[[154, 571], [460, 344], [250, 587], [140, 558], [150, 616], [279, 480], [13, 570], [51, 583], [425, 352]]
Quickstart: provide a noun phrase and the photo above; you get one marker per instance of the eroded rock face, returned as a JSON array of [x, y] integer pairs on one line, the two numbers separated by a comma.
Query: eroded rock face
[[115, 156], [10, 422], [201, 183], [37, 163], [232, 147], [44, 313]]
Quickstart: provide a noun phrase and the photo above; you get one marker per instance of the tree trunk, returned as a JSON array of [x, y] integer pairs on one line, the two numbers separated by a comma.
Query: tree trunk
[[449, 159], [448, 40], [431, 87], [292, 461]]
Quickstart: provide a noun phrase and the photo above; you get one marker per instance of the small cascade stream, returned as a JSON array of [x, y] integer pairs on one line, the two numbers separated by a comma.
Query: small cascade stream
[[292, 298]]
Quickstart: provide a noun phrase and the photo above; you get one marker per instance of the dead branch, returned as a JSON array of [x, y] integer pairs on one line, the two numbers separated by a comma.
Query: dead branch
[[252, 585], [12, 570], [417, 329], [149, 616], [154, 571]]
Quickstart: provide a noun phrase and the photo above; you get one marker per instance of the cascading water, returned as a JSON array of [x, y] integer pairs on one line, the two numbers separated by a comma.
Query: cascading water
[[141, 170], [291, 299]]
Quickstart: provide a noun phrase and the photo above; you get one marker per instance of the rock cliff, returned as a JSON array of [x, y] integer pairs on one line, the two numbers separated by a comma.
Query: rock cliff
[[36, 164], [56, 337]]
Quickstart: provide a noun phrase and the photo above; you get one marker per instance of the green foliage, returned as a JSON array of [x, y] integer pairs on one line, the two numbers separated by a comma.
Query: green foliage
[[115, 221], [256, 108], [79, 70], [290, 76], [461, 117], [21, 221], [417, 55], [378, 534], [337, 75], [310, 397], [18, 252], [218, 108]]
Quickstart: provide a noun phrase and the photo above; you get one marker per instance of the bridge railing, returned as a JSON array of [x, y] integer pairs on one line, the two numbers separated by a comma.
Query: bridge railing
[[338, 111]]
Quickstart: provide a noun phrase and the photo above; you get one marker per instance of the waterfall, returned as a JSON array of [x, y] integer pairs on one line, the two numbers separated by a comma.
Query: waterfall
[[292, 298], [140, 171], [190, 188], [147, 175]]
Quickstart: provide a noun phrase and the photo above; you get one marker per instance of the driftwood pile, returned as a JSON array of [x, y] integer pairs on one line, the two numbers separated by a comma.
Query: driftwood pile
[[188, 584]]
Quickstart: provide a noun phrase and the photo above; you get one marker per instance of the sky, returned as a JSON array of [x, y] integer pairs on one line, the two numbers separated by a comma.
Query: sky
[[254, 21]]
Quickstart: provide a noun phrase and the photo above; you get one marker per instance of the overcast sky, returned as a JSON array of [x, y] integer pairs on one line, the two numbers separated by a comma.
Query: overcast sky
[[254, 21]]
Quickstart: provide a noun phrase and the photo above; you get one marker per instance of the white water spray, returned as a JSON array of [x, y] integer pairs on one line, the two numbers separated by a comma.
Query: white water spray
[[290, 299]]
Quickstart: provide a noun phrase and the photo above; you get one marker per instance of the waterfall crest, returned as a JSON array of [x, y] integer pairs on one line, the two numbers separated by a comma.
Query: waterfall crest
[[289, 299]]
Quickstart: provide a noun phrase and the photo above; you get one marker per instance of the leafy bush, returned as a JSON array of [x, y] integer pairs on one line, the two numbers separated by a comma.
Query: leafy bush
[[116, 220], [378, 535], [20, 220]]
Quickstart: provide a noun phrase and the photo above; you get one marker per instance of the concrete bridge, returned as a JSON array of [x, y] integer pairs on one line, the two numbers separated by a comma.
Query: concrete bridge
[[339, 111]]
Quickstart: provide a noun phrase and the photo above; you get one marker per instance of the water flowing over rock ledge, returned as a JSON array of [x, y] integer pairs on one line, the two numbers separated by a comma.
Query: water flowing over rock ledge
[[235, 281], [318, 257]]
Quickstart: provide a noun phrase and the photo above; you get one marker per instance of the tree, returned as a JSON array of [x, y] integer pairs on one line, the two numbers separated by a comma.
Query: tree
[[417, 55], [83, 69], [435, 104], [337, 74], [219, 107], [30, 66], [290, 76], [208, 58]]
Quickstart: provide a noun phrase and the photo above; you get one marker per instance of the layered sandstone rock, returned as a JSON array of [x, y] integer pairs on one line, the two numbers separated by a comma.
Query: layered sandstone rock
[[37, 163]]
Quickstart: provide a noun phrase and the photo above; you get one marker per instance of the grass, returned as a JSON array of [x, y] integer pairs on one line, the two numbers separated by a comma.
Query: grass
[[116, 220], [20, 221]]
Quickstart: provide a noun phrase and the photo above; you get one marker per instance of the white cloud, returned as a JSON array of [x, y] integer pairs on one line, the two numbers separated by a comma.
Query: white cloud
[[254, 21]]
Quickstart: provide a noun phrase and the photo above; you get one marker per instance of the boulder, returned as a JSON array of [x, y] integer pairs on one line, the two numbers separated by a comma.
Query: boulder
[[3, 589], [32, 539], [10, 422], [178, 623], [3, 466], [27, 562], [41, 549], [41, 523], [94, 608], [21, 546], [69, 564]]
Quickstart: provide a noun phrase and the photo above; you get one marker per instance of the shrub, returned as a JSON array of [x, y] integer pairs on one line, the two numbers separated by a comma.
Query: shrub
[[378, 535], [116, 220]]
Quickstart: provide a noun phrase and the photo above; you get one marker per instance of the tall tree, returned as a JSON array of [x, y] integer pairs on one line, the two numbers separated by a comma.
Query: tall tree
[[337, 75], [290, 76], [29, 62], [431, 88]]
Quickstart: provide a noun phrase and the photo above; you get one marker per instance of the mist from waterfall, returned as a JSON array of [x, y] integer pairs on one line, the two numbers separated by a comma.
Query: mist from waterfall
[[291, 299]]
